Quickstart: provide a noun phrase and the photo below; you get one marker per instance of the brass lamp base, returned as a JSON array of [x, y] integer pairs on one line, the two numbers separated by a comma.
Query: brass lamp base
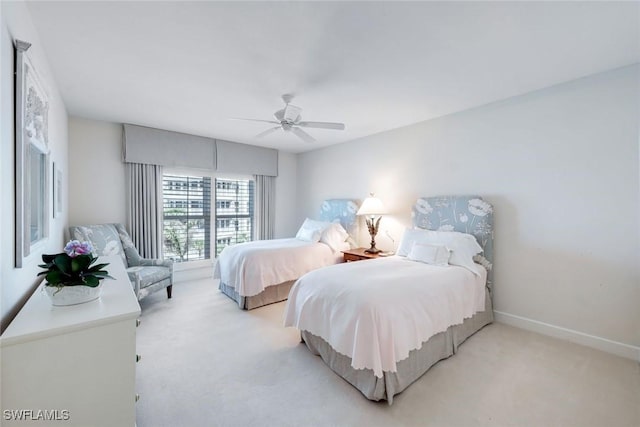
[[372, 250]]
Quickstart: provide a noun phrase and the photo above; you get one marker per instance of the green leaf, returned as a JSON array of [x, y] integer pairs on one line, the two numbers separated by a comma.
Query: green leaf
[[91, 281], [102, 275], [97, 267], [84, 261], [49, 258], [63, 262], [54, 277], [75, 265]]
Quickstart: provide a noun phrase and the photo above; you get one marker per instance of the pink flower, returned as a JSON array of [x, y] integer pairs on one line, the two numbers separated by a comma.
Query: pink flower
[[75, 248]]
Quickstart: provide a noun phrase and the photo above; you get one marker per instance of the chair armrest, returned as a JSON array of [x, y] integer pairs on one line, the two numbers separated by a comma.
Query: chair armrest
[[156, 262]]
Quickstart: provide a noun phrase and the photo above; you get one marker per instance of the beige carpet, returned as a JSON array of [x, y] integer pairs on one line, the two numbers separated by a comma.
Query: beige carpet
[[207, 363]]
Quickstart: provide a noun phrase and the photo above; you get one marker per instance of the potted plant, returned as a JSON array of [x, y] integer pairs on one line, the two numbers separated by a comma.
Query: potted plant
[[72, 277]]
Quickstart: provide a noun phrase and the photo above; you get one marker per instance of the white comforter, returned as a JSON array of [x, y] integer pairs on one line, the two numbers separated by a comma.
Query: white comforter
[[252, 266], [377, 311]]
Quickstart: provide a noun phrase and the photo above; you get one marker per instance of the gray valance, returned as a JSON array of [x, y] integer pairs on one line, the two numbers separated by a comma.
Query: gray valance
[[246, 159], [173, 149]]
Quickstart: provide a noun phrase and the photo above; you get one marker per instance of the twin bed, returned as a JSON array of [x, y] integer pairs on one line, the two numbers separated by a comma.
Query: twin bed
[[262, 272], [380, 324]]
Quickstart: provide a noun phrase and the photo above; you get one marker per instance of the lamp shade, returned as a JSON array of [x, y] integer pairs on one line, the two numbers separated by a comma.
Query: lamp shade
[[372, 206]]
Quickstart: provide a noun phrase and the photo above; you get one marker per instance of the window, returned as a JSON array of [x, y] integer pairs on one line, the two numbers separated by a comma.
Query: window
[[187, 217], [190, 230], [234, 212]]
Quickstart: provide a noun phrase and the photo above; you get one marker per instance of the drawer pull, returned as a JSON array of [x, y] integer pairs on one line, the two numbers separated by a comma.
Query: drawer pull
[[138, 321], [138, 357], [137, 397]]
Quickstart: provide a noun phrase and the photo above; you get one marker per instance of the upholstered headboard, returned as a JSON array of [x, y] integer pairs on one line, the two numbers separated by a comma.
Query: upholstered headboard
[[343, 211], [466, 214]]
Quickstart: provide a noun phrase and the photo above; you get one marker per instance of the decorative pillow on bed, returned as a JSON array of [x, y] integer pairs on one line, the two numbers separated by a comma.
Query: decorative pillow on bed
[[335, 236], [410, 236], [463, 246], [311, 230], [429, 254]]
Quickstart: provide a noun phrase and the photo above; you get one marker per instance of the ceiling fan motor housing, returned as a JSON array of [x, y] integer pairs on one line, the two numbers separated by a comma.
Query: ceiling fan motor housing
[[289, 119]]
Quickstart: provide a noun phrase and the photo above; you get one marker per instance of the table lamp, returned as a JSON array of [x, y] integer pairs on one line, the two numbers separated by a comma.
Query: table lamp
[[371, 207]]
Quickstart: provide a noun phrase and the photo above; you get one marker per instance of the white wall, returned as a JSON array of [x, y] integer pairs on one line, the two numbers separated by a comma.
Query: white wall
[[286, 188], [16, 283], [560, 166], [96, 152]]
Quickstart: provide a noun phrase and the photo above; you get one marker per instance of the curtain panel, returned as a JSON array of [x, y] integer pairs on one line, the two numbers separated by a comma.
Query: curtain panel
[[144, 208], [265, 207]]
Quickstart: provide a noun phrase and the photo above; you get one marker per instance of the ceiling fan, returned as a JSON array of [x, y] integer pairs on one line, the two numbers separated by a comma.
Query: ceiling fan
[[290, 120]]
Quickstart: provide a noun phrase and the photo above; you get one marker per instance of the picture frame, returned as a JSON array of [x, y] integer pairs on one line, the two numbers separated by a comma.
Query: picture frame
[[32, 163]]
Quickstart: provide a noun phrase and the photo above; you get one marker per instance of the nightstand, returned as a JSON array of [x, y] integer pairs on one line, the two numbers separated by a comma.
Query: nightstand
[[357, 254]]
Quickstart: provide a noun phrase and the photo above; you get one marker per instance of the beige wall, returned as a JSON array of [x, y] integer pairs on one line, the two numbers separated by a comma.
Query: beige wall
[[561, 167], [15, 283]]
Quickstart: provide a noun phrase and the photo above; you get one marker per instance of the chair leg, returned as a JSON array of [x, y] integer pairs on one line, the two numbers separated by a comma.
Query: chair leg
[[169, 291]]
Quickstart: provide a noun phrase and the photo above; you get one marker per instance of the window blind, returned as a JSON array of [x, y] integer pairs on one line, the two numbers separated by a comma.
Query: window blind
[[187, 217], [235, 204]]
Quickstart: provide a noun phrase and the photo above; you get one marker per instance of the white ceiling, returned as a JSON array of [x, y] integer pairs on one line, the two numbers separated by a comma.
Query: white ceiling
[[375, 66]]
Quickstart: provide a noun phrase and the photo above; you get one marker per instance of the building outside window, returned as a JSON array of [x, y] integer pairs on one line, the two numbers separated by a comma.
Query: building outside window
[[187, 217], [234, 212], [188, 223]]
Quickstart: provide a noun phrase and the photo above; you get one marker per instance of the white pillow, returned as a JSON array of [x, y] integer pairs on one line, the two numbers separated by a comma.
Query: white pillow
[[410, 237], [463, 246], [308, 235], [334, 236], [311, 230], [429, 254]]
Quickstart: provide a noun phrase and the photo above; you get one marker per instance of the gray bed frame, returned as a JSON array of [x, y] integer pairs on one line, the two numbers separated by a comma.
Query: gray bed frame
[[468, 214], [332, 210]]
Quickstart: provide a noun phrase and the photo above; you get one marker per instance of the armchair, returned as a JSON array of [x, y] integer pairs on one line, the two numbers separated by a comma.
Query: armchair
[[146, 275]]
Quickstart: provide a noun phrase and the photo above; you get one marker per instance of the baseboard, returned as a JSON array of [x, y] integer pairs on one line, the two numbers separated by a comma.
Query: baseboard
[[609, 346]]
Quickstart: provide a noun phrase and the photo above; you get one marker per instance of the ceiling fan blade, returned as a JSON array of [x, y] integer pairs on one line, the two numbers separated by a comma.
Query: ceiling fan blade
[[255, 120], [292, 113], [267, 132], [322, 125], [302, 134]]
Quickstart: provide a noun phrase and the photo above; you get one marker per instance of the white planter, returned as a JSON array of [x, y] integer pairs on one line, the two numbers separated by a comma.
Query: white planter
[[71, 295]]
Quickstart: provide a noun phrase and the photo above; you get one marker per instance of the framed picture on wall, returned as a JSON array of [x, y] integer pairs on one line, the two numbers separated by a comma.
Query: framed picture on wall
[[33, 173]]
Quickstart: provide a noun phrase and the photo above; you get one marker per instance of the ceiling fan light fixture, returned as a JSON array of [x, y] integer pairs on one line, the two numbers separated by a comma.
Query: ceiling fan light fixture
[[289, 119]]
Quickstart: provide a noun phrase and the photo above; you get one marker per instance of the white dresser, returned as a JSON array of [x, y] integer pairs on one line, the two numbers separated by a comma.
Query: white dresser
[[75, 365]]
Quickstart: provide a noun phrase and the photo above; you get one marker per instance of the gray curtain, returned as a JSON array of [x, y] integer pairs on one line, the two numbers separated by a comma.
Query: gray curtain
[[144, 208], [265, 206]]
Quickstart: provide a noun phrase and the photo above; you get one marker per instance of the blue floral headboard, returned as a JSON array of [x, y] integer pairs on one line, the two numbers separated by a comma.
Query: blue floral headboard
[[343, 211], [466, 214]]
